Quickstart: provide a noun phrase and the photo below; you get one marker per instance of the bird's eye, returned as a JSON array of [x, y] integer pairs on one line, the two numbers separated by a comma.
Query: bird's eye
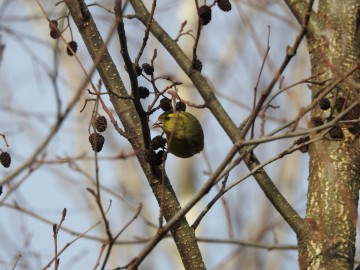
[[166, 117]]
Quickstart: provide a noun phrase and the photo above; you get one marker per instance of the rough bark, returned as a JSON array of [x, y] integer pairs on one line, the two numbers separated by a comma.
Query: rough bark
[[138, 134], [334, 162]]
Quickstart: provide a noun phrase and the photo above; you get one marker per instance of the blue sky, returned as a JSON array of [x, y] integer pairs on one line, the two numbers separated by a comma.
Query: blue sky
[[232, 47]]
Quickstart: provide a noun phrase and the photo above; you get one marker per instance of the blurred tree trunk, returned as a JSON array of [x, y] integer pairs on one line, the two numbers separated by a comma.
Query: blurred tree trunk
[[334, 161]]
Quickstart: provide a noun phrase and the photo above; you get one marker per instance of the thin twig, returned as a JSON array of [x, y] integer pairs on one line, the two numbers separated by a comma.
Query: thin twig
[[81, 235], [56, 228], [290, 53], [17, 261], [248, 244], [4, 137], [258, 80], [147, 32], [55, 128]]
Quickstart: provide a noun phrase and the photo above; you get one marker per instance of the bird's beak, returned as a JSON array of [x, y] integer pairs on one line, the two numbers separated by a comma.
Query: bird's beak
[[158, 124]]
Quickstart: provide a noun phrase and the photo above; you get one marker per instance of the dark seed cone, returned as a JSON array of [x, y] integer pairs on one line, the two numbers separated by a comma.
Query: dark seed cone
[[73, 45], [5, 159], [197, 65], [148, 69], [153, 158], [204, 14], [324, 104], [302, 140], [224, 5], [53, 24], [160, 154], [180, 106], [138, 70], [157, 142], [303, 148], [143, 92], [336, 132], [315, 122], [55, 33], [165, 104], [101, 123], [97, 141], [339, 104]]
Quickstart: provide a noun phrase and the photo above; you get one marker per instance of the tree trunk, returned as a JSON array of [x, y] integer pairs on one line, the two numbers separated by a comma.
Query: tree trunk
[[334, 160]]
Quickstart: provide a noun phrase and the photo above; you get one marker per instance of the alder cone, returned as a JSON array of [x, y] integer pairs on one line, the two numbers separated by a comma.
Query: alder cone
[[224, 5], [73, 45], [205, 14], [101, 123], [165, 104], [157, 142], [97, 141], [148, 69], [5, 159]]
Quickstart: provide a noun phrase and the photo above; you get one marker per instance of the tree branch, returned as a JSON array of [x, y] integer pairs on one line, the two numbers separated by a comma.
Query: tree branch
[[207, 93], [137, 133]]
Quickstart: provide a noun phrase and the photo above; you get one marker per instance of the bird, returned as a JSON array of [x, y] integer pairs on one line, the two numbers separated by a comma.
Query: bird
[[184, 134]]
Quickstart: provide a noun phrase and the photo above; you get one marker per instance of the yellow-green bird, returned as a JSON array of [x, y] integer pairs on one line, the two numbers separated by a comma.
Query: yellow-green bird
[[184, 134]]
